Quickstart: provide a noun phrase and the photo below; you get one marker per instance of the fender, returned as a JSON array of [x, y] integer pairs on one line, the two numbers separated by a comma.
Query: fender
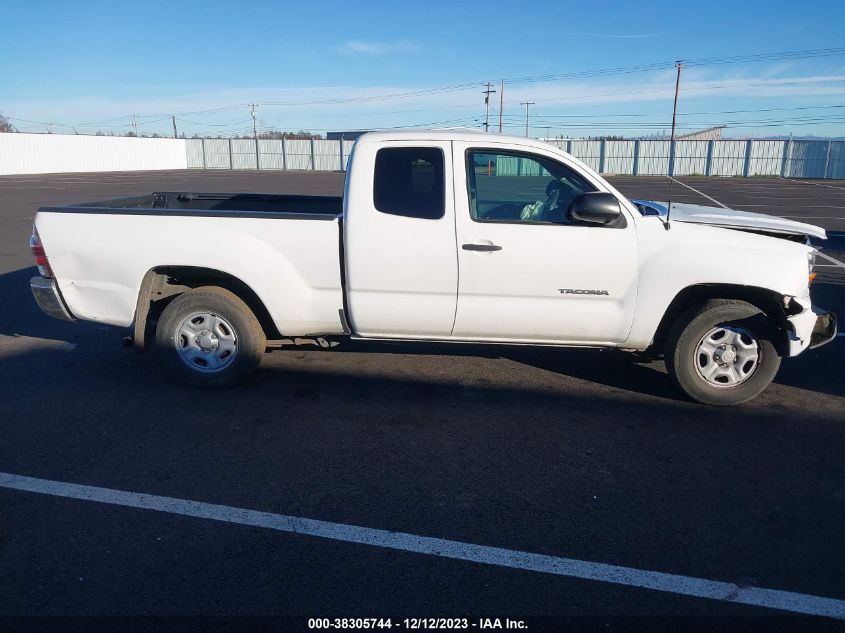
[[750, 266]]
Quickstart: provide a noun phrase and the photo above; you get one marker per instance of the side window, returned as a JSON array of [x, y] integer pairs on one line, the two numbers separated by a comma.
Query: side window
[[515, 187], [409, 181]]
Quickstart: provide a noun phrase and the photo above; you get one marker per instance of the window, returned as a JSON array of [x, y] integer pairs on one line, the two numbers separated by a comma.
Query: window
[[409, 182], [513, 187]]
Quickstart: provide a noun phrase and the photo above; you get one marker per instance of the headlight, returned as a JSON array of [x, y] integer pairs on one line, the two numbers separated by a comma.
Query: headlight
[[811, 262]]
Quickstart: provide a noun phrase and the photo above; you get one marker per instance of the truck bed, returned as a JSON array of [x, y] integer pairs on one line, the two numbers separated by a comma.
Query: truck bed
[[214, 204], [285, 248]]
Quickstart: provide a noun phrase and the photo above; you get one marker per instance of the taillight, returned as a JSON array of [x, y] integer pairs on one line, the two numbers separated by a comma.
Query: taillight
[[40, 255]]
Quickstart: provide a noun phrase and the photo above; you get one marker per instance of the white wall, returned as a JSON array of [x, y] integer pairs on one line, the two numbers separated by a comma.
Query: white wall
[[57, 153]]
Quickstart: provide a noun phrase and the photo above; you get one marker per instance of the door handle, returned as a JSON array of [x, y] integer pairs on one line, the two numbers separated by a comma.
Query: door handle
[[481, 247]]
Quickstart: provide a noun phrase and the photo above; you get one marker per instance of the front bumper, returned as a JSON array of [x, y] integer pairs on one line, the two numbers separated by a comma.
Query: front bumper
[[824, 331], [811, 328], [49, 299]]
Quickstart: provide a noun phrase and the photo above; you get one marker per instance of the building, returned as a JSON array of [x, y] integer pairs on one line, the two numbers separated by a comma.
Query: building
[[346, 136]]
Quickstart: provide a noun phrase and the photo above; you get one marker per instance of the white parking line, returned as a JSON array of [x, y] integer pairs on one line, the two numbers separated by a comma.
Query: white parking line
[[833, 261], [819, 184], [30, 187], [701, 193], [444, 548], [791, 206], [808, 217]]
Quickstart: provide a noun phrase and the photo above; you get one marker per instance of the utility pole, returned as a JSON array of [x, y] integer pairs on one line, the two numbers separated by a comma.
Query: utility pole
[[254, 132], [134, 124], [677, 87], [487, 94], [173, 118], [501, 103], [526, 104]]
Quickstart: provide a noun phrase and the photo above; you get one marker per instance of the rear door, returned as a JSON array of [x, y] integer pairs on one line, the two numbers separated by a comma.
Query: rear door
[[527, 272], [399, 239]]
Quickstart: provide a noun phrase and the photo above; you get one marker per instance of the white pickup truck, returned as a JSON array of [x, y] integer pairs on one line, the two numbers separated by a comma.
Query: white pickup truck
[[440, 236]]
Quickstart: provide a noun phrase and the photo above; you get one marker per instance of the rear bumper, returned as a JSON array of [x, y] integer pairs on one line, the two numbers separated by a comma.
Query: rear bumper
[[49, 299], [811, 328]]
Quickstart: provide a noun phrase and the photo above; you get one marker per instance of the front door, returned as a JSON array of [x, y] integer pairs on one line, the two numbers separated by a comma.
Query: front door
[[526, 271]]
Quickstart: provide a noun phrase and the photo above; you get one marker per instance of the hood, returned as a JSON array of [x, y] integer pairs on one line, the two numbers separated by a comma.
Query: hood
[[730, 218]]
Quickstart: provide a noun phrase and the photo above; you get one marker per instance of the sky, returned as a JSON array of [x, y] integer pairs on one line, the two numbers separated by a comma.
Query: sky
[[591, 68]]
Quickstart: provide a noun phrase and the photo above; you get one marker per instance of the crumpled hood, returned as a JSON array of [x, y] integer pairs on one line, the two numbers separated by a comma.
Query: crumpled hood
[[731, 218]]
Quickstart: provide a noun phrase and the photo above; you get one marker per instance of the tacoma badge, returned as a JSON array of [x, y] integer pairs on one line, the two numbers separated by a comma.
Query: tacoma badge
[[580, 291]]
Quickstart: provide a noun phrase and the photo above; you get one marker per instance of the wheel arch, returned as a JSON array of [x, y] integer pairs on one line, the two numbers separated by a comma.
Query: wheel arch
[[161, 284], [770, 302]]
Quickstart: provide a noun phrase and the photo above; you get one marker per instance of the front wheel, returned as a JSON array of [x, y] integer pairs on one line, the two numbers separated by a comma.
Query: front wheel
[[723, 354], [208, 337]]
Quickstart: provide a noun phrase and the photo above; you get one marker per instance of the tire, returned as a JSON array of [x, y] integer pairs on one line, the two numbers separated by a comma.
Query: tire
[[209, 338], [722, 353]]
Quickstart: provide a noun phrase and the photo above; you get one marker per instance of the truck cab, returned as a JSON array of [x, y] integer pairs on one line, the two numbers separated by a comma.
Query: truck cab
[[467, 237]]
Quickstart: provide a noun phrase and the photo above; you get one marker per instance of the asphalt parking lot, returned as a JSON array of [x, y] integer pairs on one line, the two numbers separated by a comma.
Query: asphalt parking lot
[[576, 455]]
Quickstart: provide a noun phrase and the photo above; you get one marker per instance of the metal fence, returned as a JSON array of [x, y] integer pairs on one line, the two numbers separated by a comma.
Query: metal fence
[[745, 157], [278, 154]]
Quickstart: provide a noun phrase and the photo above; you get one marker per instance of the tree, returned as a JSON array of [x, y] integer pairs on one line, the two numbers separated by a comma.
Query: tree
[[5, 126], [301, 135]]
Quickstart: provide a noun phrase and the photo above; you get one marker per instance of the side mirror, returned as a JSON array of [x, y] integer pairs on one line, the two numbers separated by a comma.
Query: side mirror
[[597, 207]]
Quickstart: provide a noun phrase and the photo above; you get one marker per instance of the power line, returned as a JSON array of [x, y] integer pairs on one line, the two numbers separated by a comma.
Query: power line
[[599, 119], [699, 88], [230, 123], [805, 54], [657, 125], [776, 56], [473, 121], [785, 55], [81, 125], [627, 114], [386, 97]]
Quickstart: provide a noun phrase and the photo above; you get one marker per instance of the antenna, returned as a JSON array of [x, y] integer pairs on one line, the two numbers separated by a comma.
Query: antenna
[[669, 203], [671, 165]]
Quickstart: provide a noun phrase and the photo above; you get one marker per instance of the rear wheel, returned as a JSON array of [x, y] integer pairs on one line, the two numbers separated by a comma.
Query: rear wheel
[[723, 353], [208, 337]]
